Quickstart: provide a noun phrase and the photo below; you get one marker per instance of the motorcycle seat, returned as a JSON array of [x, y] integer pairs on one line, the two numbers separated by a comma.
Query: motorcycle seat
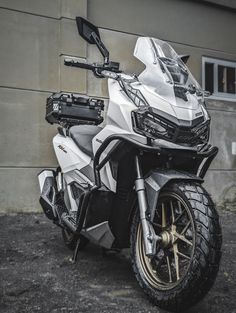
[[83, 135]]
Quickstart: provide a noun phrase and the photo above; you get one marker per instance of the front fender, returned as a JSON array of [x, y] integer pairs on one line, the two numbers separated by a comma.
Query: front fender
[[158, 179]]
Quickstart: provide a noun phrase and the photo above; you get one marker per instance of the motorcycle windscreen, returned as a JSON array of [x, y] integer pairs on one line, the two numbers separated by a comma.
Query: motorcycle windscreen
[[165, 72]]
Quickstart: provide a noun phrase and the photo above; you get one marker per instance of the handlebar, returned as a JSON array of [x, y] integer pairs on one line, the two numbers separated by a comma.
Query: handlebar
[[97, 68], [72, 62]]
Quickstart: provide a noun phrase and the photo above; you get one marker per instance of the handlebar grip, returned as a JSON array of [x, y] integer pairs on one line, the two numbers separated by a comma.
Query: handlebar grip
[[71, 62]]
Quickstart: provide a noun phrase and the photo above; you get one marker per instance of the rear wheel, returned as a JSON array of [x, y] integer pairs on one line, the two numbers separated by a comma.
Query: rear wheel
[[187, 260], [70, 239]]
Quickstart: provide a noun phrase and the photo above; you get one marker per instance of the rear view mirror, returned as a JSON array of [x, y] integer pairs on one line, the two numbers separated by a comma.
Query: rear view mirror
[[90, 33], [87, 30]]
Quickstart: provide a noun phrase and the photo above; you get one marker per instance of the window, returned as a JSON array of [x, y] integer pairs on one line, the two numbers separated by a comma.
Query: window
[[219, 78]]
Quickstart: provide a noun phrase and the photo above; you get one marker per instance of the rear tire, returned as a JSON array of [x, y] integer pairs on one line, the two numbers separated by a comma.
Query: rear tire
[[175, 280], [70, 240]]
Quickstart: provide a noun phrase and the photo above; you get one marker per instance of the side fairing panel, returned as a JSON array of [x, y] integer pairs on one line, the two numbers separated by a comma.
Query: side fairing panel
[[120, 107], [69, 156]]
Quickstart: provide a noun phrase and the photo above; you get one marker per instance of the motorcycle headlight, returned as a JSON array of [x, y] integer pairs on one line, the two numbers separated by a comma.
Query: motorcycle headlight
[[151, 126], [156, 127]]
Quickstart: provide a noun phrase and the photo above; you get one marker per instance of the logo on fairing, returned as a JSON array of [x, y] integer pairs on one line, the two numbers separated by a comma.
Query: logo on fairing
[[62, 148], [198, 114], [98, 140]]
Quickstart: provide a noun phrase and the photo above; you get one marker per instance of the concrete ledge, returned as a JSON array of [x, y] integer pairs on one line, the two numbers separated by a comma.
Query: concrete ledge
[[219, 105], [230, 4]]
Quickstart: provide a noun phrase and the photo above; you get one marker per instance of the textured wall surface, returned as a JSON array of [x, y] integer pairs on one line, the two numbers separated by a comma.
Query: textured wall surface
[[37, 35]]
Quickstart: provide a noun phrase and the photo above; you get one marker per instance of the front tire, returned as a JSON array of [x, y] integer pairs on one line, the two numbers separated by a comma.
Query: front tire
[[187, 261]]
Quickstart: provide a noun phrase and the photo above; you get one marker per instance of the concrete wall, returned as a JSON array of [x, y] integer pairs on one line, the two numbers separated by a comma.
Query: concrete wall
[[37, 35]]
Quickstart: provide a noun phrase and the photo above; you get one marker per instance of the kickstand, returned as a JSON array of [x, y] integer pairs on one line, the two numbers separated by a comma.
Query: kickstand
[[75, 253]]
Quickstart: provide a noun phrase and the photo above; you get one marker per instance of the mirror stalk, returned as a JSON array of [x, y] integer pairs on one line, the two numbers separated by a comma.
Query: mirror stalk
[[101, 47]]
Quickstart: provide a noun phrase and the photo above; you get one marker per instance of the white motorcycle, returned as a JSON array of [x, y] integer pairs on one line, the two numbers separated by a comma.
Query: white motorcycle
[[137, 181]]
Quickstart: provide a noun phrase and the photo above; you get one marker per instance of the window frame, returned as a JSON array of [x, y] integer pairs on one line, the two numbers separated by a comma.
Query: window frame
[[215, 61]]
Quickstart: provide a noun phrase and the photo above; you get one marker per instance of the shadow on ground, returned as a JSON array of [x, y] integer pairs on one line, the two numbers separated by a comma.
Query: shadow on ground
[[36, 275]]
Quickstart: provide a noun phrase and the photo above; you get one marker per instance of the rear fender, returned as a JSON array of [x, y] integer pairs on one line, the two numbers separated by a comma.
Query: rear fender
[[155, 182]]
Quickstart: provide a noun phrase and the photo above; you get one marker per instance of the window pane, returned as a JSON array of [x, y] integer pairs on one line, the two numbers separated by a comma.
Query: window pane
[[226, 79], [209, 81], [230, 80], [221, 81]]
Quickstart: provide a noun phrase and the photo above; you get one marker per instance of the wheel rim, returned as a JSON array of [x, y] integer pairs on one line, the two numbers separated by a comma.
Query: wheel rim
[[172, 221]]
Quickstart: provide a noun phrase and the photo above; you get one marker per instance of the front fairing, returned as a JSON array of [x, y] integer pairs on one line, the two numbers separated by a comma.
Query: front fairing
[[170, 108], [166, 83], [183, 111]]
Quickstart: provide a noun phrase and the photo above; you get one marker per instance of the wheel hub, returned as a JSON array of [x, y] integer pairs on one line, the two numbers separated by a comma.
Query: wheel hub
[[166, 238]]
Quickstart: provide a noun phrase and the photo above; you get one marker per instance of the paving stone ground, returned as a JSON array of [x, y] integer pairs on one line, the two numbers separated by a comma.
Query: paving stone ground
[[36, 275]]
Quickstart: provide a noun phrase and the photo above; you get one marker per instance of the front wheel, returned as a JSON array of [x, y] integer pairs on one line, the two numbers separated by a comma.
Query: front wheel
[[187, 260]]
